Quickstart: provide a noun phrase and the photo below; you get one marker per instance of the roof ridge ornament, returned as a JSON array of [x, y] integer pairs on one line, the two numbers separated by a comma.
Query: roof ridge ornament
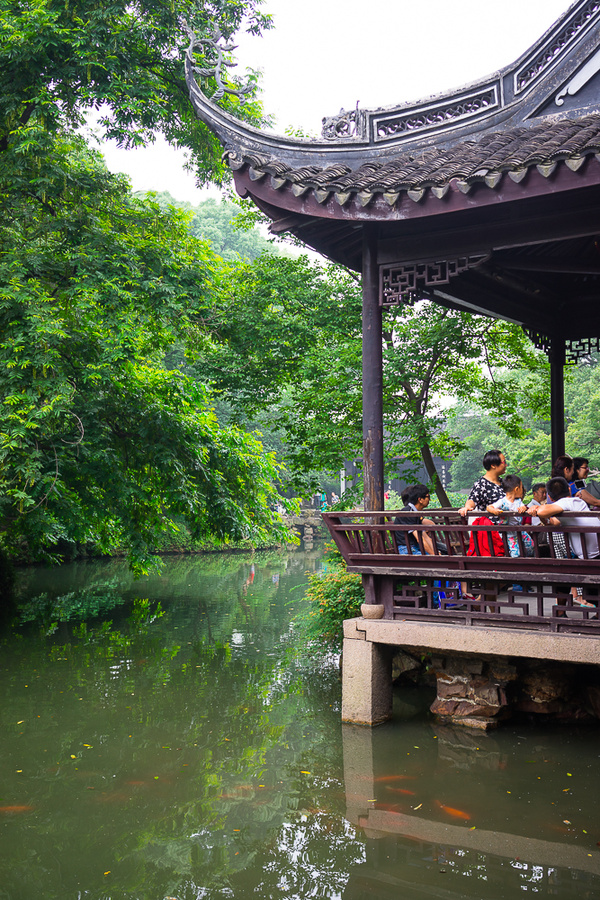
[[214, 52], [348, 125]]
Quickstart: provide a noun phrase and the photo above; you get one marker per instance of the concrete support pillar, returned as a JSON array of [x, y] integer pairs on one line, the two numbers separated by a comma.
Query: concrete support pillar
[[366, 680]]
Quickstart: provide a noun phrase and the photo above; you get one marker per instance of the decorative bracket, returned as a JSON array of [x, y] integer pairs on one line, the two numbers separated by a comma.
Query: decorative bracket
[[575, 349], [403, 283], [213, 51]]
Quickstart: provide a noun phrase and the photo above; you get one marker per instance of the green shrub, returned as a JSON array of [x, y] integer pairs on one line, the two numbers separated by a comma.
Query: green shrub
[[334, 595]]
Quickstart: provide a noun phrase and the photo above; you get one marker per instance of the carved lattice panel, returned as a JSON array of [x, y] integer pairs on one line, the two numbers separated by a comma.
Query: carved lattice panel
[[404, 283], [548, 55], [435, 116]]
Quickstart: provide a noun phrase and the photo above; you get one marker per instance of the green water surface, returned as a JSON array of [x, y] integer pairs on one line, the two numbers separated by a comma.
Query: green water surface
[[200, 754]]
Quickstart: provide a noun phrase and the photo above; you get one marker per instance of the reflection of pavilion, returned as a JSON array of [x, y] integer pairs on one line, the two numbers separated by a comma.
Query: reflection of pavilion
[[450, 860]]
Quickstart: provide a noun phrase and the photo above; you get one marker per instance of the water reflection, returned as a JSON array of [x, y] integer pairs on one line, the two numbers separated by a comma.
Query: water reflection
[[504, 829], [199, 754]]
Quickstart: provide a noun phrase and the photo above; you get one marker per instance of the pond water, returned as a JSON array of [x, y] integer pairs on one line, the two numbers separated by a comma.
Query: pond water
[[200, 754]]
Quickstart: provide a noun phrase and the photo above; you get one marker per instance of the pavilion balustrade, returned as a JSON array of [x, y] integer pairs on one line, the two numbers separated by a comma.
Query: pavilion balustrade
[[530, 592]]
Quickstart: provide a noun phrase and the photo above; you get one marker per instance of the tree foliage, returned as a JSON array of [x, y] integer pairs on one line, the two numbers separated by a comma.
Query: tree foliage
[[124, 59], [99, 442], [529, 452], [286, 337], [215, 221]]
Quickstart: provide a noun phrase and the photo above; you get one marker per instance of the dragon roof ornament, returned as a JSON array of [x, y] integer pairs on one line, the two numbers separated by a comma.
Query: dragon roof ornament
[[214, 48]]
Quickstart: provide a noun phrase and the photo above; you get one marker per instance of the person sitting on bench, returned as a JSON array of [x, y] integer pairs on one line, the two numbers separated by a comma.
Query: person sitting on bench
[[417, 499], [560, 501]]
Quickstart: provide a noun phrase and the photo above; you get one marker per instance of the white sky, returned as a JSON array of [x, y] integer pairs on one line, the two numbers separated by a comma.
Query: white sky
[[322, 55]]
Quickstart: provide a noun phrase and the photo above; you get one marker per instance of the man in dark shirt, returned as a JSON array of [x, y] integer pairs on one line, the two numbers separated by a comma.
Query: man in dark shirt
[[417, 499]]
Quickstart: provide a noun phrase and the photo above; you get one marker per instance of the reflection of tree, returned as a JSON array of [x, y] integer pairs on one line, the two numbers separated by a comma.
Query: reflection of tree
[[196, 746]]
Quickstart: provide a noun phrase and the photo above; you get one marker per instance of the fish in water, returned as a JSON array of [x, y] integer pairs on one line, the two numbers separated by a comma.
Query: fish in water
[[9, 810], [456, 813], [387, 778], [399, 790]]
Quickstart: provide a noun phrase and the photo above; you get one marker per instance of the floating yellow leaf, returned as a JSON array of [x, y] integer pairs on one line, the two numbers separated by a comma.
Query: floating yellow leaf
[[73, 756], [418, 807], [302, 772], [21, 722], [566, 822], [473, 827], [89, 746], [107, 873], [237, 829]]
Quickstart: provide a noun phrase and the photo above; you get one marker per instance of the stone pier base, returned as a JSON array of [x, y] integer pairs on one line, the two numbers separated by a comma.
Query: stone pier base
[[472, 691], [483, 675]]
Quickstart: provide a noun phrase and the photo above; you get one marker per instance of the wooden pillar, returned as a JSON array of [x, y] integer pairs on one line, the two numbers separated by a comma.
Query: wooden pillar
[[372, 372], [557, 396]]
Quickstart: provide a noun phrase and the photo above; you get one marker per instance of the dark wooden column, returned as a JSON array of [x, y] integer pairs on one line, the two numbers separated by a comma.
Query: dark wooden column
[[372, 372], [557, 396]]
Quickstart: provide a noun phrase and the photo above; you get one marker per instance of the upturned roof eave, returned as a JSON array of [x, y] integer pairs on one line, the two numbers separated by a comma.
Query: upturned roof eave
[[507, 107]]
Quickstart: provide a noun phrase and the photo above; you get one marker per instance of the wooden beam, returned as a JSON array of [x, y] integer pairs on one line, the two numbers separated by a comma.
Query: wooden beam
[[543, 264]]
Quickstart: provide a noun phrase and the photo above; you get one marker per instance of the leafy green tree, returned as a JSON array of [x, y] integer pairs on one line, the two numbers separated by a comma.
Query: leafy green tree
[[124, 58], [286, 335], [214, 221], [529, 451], [99, 442]]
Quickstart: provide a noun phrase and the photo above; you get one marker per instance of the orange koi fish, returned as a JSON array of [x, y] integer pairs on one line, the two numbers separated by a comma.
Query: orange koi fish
[[456, 813], [385, 778], [9, 810]]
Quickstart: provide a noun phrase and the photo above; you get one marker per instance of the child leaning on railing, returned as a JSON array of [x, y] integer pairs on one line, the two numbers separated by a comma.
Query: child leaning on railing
[[512, 502]]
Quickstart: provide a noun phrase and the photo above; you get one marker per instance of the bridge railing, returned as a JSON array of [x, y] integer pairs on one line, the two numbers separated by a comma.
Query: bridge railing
[[470, 576]]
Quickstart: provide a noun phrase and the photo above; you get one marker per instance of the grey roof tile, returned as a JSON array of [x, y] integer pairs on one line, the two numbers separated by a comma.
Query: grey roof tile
[[541, 143]]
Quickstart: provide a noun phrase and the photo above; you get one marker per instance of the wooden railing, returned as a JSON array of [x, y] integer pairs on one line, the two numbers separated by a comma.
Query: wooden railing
[[544, 590]]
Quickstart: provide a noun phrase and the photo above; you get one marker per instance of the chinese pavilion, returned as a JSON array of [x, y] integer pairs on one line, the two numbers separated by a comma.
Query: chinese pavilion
[[485, 199]]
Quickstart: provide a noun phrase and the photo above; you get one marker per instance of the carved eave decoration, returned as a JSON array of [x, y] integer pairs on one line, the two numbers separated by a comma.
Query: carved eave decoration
[[531, 114]]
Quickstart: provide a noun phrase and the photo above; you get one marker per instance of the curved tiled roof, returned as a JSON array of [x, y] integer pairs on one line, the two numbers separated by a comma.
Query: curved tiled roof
[[543, 144]]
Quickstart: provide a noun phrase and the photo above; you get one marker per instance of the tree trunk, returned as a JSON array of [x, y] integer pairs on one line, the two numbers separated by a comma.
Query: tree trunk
[[433, 476]]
